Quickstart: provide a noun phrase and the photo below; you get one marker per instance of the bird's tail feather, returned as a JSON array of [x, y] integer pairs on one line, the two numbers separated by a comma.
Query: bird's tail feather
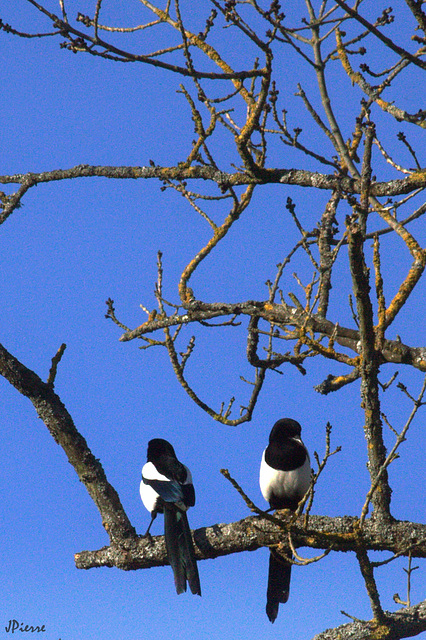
[[180, 550], [278, 583]]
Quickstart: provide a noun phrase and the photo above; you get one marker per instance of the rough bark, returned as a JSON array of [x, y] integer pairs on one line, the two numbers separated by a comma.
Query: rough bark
[[55, 416], [254, 532]]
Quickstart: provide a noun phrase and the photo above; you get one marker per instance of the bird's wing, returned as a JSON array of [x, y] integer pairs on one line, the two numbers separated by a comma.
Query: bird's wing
[[168, 489], [188, 489]]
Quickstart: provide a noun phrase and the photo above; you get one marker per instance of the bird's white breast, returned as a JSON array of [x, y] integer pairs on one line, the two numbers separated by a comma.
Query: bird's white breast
[[287, 484]]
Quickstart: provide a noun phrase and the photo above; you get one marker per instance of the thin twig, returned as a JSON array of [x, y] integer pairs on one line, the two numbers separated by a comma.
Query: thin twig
[[55, 361]]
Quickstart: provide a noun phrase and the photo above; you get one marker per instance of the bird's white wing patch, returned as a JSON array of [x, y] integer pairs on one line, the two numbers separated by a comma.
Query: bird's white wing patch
[[148, 494], [149, 472]]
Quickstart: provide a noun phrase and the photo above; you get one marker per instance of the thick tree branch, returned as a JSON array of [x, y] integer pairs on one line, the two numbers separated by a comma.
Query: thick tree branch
[[369, 369], [326, 236], [403, 623], [253, 532], [61, 426], [224, 180]]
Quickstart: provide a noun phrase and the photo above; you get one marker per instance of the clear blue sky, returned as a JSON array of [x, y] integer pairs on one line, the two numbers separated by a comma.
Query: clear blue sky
[[70, 247]]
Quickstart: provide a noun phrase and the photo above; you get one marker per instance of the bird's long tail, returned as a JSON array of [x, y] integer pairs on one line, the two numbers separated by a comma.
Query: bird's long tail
[[278, 583], [180, 550]]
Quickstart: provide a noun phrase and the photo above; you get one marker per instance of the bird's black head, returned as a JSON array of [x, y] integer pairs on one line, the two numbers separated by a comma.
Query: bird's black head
[[159, 447], [285, 428]]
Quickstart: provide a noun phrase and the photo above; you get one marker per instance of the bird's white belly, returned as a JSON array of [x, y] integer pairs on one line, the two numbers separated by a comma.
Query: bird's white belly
[[284, 484]]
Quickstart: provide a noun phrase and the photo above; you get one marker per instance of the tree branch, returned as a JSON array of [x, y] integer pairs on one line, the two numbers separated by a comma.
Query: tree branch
[[255, 532], [369, 369], [393, 351], [403, 623], [61, 426], [387, 41], [297, 177]]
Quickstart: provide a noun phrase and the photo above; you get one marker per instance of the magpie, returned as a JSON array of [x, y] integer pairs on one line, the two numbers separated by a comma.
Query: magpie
[[166, 487], [285, 475]]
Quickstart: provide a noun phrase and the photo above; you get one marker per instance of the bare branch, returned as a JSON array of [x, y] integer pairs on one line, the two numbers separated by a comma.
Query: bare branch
[[255, 532], [299, 177], [392, 454], [369, 368], [387, 41], [61, 426], [55, 361]]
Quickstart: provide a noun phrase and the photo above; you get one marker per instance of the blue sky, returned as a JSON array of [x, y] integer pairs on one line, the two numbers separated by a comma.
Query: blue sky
[[70, 247]]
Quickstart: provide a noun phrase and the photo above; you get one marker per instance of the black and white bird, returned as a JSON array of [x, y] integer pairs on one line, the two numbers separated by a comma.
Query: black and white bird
[[285, 476], [166, 487]]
